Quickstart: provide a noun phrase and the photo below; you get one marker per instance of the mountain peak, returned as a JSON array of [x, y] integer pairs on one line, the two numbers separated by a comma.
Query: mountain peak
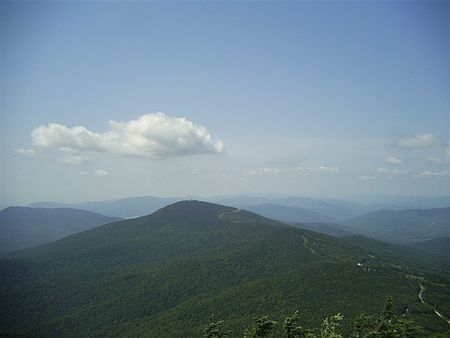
[[192, 207]]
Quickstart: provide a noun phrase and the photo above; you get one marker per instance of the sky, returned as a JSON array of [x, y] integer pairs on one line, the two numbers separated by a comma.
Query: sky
[[102, 100]]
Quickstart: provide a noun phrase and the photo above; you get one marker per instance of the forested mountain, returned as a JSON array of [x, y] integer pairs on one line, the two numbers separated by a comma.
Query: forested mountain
[[436, 246], [22, 227], [403, 226], [165, 274], [331, 229]]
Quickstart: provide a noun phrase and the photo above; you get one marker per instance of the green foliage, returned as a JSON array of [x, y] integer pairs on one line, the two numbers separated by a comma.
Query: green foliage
[[331, 327], [214, 329], [386, 325], [291, 328], [262, 327]]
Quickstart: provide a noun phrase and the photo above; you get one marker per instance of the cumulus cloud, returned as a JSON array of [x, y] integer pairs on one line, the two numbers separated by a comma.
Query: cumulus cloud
[[75, 158], [28, 153], [429, 173], [101, 172], [153, 136], [391, 172], [425, 140], [393, 160]]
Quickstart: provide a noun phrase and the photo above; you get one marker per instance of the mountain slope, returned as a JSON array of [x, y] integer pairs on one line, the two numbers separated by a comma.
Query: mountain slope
[[335, 230], [403, 226], [436, 246], [289, 214], [335, 209], [22, 227], [125, 207], [164, 274]]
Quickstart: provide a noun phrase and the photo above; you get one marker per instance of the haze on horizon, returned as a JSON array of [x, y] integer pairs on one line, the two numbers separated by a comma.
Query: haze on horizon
[[102, 100]]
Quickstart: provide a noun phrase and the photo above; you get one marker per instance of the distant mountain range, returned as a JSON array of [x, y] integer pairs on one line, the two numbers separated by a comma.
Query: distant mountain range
[[403, 226], [165, 274], [402, 202], [289, 214], [126, 207], [22, 227], [332, 229], [398, 225], [334, 209]]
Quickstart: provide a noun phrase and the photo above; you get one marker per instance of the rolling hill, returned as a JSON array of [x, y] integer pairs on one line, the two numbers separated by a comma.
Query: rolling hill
[[404, 226], [22, 227], [165, 274]]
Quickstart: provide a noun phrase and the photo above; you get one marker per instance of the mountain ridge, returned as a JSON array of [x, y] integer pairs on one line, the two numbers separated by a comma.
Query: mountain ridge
[[22, 227]]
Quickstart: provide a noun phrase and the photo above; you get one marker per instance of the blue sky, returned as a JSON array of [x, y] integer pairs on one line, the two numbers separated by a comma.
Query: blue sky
[[307, 98]]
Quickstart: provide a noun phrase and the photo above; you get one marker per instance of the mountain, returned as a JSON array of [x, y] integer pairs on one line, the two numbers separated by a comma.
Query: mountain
[[401, 202], [403, 226], [334, 209], [335, 230], [165, 274], [22, 227], [436, 246], [289, 214], [124, 208]]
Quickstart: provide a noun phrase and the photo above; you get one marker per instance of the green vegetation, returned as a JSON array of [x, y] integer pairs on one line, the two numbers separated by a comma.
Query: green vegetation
[[162, 275], [436, 246], [386, 324]]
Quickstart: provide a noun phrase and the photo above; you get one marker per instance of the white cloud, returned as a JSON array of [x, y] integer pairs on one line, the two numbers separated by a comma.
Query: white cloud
[[303, 170], [425, 140], [429, 173], [392, 172], [261, 171], [83, 173], [318, 170], [393, 160], [367, 177], [75, 158], [436, 160], [153, 136], [28, 153], [101, 172]]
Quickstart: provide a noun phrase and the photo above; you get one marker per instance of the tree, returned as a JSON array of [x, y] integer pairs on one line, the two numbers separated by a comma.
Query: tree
[[331, 326], [386, 325], [290, 326], [214, 329], [262, 327]]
